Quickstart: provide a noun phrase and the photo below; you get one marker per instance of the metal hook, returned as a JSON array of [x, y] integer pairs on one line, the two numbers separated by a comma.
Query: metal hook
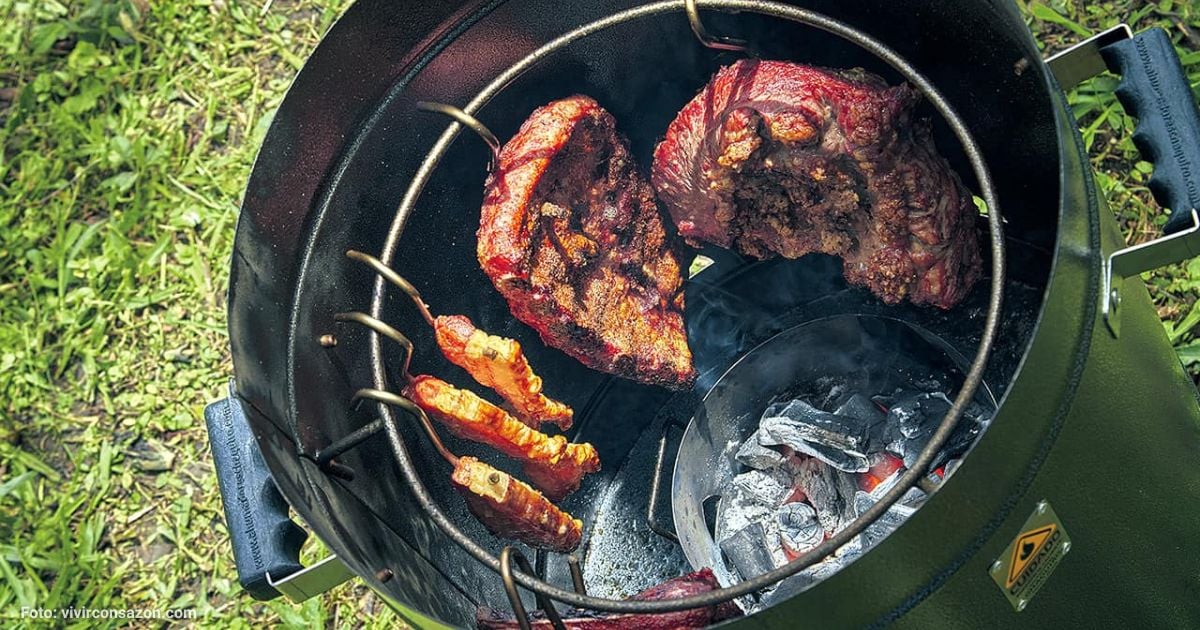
[[384, 329], [576, 575], [510, 587], [388, 398], [323, 457], [715, 42], [471, 123], [390, 275]]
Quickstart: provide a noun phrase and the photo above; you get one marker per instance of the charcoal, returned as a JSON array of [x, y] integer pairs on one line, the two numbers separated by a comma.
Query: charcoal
[[749, 550], [914, 498], [799, 528], [757, 456], [789, 587], [850, 551], [918, 415], [837, 440], [800, 581], [778, 556], [885, 524], [930, 385], [807, 423], [951, 466], [829, 491], [886, 484], [847, 486], [960, 440], [751, 496], [861, 408]]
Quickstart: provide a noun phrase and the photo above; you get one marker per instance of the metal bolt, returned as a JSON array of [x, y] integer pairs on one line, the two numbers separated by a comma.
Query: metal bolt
[[1021, 604], [1041, 507], [494, 478], [328, 341], [383, 575], [1114, 298], [996, 566], [1066, 546]]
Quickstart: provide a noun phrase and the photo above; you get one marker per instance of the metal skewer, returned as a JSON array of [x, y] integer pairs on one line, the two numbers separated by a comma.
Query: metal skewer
[[716, 42], [510, 588], [471, 123], [384, 329], [395, 400], [390, 275]]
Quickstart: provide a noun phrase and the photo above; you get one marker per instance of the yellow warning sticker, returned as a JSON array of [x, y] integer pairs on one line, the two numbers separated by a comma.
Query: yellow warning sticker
[[1031, 557], [1028, 545]]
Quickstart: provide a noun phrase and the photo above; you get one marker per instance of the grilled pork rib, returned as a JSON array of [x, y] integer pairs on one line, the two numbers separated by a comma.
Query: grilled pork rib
[[498, 363], [701, 581], [549, 462], [511, 509], [775, 158], [572, 236]]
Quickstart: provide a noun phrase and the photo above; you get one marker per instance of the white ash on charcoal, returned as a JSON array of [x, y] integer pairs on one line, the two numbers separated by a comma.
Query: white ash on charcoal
[[913, 418], [829, 491], [749, 549], [799, 529], [840, 441], [808, 473], [757, 456], [751, 497], [862, 409]]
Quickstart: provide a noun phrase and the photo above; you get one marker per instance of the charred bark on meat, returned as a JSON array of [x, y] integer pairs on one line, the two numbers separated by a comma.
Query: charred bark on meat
[[571, 234], [775, 158]]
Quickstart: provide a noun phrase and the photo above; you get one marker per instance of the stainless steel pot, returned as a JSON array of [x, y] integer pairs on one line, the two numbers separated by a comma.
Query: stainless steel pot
[[855, 353]]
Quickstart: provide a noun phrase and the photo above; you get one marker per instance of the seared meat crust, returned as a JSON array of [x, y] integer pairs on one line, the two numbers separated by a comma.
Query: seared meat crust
[[775, 158], [571, 234]]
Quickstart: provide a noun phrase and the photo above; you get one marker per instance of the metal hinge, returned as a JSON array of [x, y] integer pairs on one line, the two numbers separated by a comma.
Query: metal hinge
[[1132, 261], [312, 580]]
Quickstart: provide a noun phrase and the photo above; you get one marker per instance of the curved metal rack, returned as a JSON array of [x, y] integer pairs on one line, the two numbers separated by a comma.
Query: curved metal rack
[[907, 480]]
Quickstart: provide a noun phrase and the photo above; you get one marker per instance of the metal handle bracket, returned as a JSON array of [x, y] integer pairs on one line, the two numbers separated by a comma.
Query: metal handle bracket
[[1083, 60], [1132, 261], [312, 580]]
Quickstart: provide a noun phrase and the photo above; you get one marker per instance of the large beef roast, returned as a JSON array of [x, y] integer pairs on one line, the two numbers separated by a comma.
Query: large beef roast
[[775, 158], [571, 234]]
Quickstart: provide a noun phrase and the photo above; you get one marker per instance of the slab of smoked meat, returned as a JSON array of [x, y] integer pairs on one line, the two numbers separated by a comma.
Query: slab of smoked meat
[[498, 363], [511, 509], [549, 462], [701, 581], [775, 158], [571, 235]]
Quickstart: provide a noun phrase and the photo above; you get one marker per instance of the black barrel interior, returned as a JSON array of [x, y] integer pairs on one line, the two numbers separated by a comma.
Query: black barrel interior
[[643, 72]]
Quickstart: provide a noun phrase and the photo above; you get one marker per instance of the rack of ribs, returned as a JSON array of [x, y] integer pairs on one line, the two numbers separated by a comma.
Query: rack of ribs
[[511, 509], [499, 363], [549, 462]]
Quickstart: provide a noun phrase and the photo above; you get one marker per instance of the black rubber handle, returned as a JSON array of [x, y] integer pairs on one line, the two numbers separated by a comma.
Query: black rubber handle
[[265, 540], [1155, 90]]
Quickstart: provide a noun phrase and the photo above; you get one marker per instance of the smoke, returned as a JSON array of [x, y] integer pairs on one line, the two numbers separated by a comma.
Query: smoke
[[733, 306]]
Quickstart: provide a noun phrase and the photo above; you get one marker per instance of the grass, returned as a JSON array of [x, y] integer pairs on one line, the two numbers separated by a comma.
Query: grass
[[127, 131]]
